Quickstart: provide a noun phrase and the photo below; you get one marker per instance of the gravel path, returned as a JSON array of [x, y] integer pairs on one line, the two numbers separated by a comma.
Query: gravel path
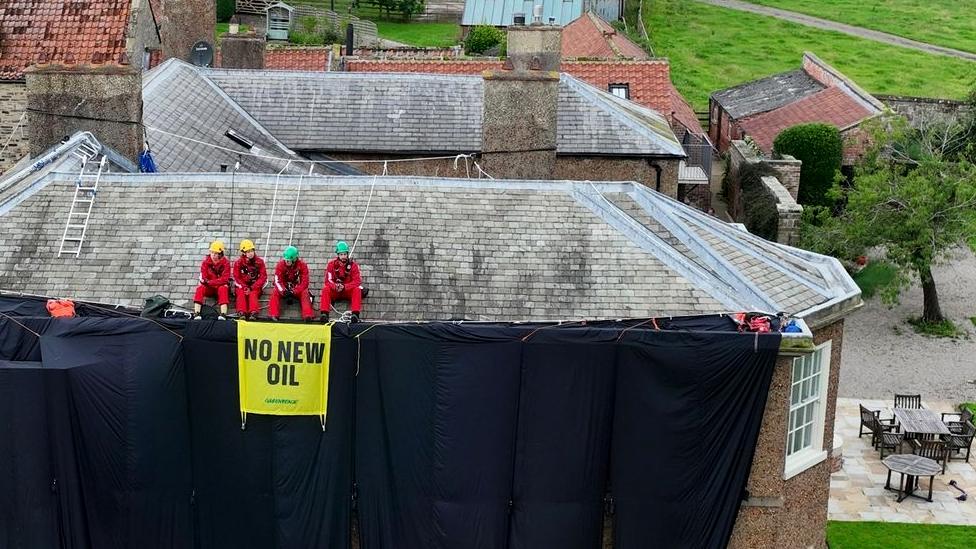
[[883, 355], [861, 32]]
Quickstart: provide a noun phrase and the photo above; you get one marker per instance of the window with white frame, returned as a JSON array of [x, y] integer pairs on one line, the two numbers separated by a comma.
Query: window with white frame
[[808, 407], [620, 90]]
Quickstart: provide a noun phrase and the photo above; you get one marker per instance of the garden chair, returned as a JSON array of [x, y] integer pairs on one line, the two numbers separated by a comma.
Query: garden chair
[[890, 441], [875, 425], [960, 439], [908, 402], [936, 450], [965, 416]]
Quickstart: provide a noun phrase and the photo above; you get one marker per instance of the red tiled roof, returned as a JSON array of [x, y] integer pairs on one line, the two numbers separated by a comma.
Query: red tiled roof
[[829, 106], [590, 36], [50, 31], [649, 81]]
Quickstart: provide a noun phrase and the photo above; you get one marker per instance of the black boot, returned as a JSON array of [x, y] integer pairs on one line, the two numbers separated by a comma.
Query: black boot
[[355, 317], [324, 318]]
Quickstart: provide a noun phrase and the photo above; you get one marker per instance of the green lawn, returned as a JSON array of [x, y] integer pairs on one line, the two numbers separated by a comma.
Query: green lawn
[[895, 535], [222, 29], [712, 48], [946, 23], [876, 275], [428, 35]]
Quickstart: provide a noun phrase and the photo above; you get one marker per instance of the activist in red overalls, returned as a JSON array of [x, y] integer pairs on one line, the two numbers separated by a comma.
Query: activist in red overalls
[[214, 277], [291, 281], [250, 275], [342, 281]]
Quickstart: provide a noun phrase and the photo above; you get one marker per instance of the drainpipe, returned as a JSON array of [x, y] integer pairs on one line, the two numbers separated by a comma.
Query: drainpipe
[[657, 177]]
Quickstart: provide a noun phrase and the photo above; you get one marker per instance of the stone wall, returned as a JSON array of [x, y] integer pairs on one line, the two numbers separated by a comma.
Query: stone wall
[[141, 37], [242, 51], [787, 211], [105, 100], [184, 23], [919, 110], [608, 168], [574, 168], [783, 188], [13, 124], [789, 513]]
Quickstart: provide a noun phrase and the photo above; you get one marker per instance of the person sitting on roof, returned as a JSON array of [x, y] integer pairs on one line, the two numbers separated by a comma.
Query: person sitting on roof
[[291, 282], [342, 281], [250, 275], [214, 279]]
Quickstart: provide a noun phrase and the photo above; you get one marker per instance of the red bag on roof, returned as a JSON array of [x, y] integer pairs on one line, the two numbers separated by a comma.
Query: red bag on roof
[[61, 308]]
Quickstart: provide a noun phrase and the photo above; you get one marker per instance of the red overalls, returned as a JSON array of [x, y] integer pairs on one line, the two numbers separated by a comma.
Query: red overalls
[[347, 274], [214, 276], [249, 278], [292, 281]]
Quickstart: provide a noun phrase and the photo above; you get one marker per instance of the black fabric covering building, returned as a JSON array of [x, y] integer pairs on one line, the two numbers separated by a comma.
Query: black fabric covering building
[[120, 432]]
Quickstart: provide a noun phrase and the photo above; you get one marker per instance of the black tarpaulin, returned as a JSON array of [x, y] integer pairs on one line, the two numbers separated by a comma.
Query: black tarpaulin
[[121, 433]]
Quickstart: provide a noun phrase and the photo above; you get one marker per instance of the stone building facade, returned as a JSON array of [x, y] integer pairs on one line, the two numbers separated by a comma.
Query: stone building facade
[[13, 124]]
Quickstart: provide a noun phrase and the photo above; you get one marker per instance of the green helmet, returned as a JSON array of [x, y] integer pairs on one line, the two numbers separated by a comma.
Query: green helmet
[[342, 247], [290, 253]]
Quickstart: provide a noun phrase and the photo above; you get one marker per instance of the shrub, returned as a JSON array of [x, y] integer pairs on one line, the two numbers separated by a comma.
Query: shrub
[[821, 149], [481, 38], [225, 10]]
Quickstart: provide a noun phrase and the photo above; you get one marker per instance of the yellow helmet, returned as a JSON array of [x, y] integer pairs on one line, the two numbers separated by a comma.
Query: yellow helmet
[[246, 246], [217, 246]]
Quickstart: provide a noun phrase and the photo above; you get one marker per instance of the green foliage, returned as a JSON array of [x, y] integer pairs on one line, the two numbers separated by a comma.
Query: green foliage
[[973, 320], [912, 197], [482, 38], [941, 328], [225, 10], [821, 149], [875, 276], [970, 405], [305, 39], [758, 207], [898, 535]]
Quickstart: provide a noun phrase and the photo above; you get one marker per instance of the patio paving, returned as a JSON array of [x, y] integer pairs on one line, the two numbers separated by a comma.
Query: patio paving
[[857, 491]]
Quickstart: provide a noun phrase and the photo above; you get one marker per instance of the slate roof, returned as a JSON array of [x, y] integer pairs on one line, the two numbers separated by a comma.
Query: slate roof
[[591, 36], [402, 113], [767, 93], [430, 248], [50, 31], [649, 80], [829, 106], [179, 101]]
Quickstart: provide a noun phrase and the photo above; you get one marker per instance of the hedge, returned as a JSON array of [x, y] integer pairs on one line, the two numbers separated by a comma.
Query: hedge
[[821, 149]]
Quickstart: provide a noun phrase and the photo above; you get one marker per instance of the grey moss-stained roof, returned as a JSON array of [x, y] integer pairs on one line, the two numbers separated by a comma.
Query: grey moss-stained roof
[[395, 113], [430, 248], [766, 94], [181, 105]]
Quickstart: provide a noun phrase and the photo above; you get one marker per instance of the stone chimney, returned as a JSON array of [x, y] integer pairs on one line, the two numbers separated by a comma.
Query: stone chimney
[[183, 23], [519, 128], [105, 100], [242, 51]]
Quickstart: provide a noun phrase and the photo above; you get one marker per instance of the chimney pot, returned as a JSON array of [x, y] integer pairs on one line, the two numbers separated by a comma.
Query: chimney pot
[[537, 14], [518, 19]]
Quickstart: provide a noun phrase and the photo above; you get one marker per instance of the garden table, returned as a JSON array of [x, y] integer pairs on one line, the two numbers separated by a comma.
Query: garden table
[[922, 422], [912, 467]]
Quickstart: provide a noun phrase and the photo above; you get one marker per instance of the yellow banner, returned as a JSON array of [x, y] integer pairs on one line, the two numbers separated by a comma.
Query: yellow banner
[[283, 369]]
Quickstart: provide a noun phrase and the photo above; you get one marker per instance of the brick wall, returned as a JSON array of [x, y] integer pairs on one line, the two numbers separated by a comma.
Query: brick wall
[[13, 123], [789, 513]]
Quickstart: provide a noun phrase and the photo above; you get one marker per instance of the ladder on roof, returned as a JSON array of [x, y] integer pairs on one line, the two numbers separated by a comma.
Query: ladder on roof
[[86, 187]]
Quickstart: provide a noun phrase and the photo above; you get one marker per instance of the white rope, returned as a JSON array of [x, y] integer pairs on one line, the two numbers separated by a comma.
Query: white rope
[[294, 213], [13, 131], [481, 171], [274, 202], [365, 213], [302, 160]]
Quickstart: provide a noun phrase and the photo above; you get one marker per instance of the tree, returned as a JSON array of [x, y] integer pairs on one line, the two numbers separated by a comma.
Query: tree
[[821, 149], [914, 196]]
